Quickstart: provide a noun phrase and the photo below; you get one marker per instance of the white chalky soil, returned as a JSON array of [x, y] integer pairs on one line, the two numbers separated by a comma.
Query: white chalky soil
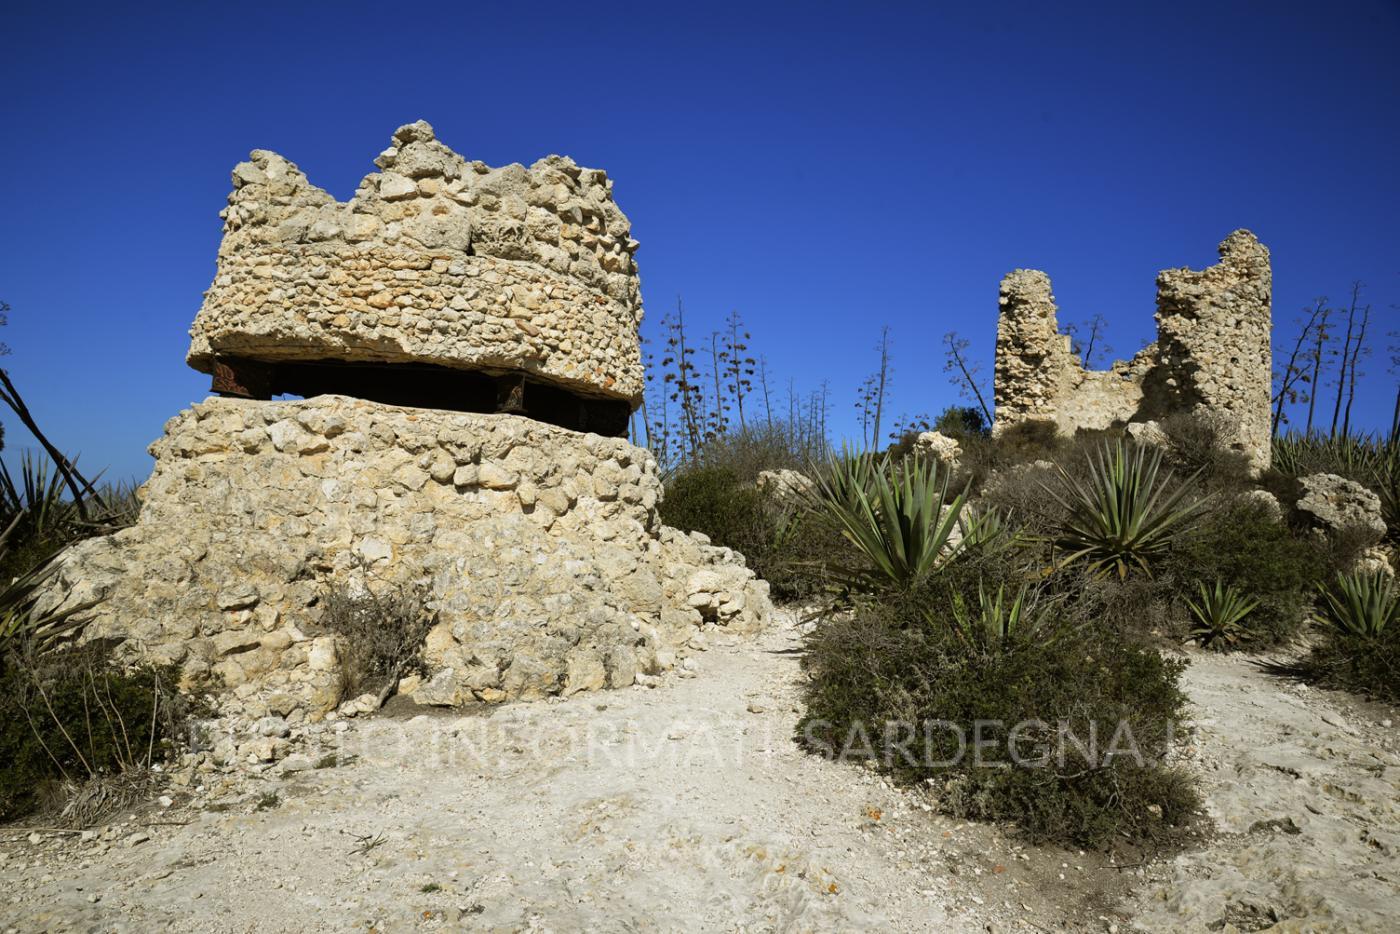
[[688, 808]]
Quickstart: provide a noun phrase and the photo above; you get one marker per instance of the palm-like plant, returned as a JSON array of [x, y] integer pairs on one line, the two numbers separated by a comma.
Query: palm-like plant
[[898, 515], [988, 530], [1360, 604], [1126, 515], [996, 619], [1219, 615], [20, 616]]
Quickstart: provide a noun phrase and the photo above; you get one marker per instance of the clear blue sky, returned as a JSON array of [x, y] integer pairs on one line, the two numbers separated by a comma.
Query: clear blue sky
[[823, 168]]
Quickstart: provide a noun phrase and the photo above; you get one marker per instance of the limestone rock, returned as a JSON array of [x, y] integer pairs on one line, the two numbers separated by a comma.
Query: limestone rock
[[1266, 501], [784, 485], [1148, 433], [1376, 560], [1334, 504], [531, 601], [940, 447]]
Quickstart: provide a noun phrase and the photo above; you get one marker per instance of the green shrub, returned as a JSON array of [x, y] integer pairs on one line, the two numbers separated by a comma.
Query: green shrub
[[1360, 645], [1148, 609], [1369, 666], [962, 421], [74, 716], [1195, 447], [1125, 514], [747, 452], [898, 684], [1241, 544], [1018, 493], [784, 544]]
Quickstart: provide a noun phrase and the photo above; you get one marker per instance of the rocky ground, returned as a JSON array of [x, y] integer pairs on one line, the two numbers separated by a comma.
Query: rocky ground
[[1303, 787], [687, 807]]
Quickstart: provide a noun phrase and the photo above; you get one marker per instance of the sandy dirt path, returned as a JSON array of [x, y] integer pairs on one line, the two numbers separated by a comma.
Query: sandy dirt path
[[687, 807], [684, 807], [1303, 787]]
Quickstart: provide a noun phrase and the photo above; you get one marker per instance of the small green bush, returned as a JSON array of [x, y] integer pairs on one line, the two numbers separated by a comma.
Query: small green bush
[[898, 685], [1369, 666], [1195, 447], [1146, 609], [783, 543], [1360, 645], [1241, 544], [75, 715], [747, 452], [962, 421]]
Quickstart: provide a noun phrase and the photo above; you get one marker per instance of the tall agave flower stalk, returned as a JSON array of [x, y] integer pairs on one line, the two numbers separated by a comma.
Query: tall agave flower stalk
[[1126, 514], [898, 515]]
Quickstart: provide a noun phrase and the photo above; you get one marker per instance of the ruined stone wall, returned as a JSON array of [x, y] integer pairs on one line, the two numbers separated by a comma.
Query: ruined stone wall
[[547, 563], [1214, 342], [434, 260], [1211, 357], [1038, 377]]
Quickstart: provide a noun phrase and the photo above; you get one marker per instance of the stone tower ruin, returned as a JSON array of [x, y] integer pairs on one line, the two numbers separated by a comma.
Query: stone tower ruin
[[1212, 355], [466, 341]]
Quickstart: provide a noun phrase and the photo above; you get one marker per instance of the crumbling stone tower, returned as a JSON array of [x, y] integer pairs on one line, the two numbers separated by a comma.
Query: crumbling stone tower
[[441, 282], [1212, 355], [465, 338]]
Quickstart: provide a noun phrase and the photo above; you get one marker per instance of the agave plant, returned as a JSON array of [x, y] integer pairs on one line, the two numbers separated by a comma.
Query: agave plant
[[996, 619], [1126, 515], [35, 501], [1219, 615], [1360, 604], [988, 530], [21, 619], [898, 515]]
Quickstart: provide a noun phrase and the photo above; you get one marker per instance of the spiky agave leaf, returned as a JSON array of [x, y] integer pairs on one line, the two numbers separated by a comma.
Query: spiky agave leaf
[[1360, 604], [1126, 515], [897, 515], [1219, 614], [996, 619], [20, 617]]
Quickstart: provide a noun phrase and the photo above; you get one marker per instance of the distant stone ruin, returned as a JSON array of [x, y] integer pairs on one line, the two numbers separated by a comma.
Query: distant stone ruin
[[466, 338], [1212, 355]]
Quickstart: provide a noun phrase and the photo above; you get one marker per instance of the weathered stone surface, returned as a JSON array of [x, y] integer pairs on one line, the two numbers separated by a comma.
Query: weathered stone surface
[[1148, 433], [940, 447], [1211, 357], [434, 260], [785, 485], [531, 601], [1335, 504], [1265, 502]]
